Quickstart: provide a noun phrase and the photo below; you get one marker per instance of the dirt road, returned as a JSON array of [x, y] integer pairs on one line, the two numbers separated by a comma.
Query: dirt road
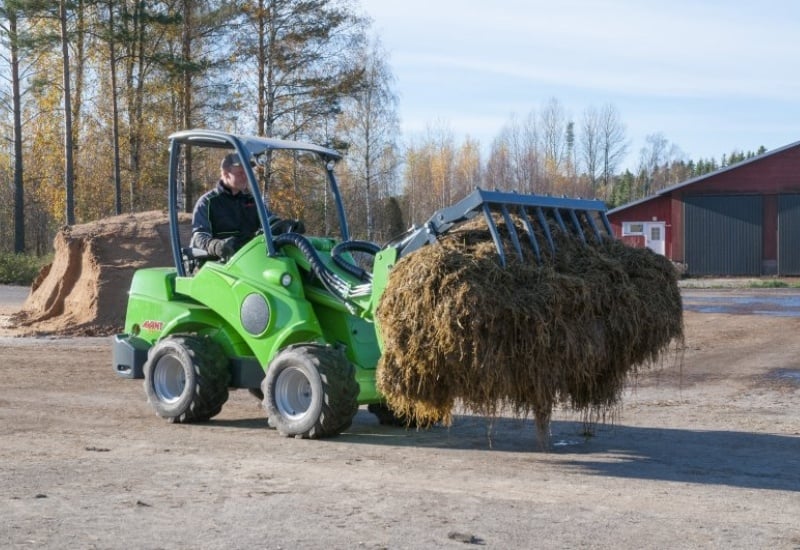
[[704, 453]]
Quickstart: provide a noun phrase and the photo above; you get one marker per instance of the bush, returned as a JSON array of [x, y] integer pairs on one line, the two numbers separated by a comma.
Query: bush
[[20, 269]]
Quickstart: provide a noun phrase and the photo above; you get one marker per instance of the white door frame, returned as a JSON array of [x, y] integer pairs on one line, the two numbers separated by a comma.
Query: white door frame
[[657, 230]]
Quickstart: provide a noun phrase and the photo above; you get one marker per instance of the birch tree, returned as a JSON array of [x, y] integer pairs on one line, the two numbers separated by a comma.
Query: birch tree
[[613, 142], [370, 126], [303, 54], [590, 145]]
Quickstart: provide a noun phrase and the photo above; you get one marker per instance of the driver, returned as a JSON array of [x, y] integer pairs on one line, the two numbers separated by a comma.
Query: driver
[[226, 217]]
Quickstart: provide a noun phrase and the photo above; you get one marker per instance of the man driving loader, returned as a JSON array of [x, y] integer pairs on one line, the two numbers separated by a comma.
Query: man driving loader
[[226, 218]]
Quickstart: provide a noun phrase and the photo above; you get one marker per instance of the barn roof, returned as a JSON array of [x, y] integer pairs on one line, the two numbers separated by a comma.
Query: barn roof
[[671, 188]]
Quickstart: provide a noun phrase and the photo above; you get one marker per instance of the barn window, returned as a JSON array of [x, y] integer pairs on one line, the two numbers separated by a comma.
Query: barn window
[[633, 228]]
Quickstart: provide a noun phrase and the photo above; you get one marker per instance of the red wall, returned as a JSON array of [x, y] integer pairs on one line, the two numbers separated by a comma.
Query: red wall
[[770, 174], [656, 209]]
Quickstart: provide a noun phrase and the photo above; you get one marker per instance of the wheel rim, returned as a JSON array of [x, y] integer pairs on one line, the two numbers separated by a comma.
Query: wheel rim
[[293, 393], [169, 379]]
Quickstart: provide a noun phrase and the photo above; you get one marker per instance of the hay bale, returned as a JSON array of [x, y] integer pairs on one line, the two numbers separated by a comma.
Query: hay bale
[[528, 336]]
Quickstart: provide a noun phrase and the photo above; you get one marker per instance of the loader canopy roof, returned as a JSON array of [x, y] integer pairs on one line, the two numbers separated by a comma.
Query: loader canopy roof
[[253, 144]]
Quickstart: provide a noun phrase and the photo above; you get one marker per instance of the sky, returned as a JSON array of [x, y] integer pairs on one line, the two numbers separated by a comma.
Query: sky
[[711, 76]]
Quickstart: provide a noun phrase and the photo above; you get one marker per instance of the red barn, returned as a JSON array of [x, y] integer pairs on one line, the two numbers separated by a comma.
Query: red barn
[[741, 220]]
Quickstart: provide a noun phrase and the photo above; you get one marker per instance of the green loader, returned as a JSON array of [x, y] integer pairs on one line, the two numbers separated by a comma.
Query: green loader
[[290, 317]]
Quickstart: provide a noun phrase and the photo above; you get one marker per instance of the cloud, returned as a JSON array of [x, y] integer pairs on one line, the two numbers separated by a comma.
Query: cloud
[[630, 47]]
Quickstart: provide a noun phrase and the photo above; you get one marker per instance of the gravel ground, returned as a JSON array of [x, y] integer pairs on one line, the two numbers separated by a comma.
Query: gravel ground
[[704, 453]]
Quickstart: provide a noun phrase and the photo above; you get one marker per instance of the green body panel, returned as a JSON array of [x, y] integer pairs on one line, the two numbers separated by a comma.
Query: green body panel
[[383, 264], [153, 307], [358, 338], [209, 303]]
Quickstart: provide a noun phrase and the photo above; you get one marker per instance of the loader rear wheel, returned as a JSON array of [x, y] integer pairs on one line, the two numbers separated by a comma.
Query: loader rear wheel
[[387, 417], [186, 378], [310, 392]]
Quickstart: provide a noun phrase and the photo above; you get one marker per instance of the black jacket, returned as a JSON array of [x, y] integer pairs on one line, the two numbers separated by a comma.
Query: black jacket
[[220, 214]]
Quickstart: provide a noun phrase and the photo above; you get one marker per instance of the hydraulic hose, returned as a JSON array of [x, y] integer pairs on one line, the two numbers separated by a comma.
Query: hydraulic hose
[[330, 280], [354, 246]]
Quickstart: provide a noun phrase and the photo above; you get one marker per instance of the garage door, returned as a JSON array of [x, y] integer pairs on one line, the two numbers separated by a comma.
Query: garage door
[[789, 235], [723, 235]]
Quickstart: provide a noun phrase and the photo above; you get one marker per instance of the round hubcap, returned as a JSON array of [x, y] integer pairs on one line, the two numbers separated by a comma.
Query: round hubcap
[[292, 393], [169, 379]]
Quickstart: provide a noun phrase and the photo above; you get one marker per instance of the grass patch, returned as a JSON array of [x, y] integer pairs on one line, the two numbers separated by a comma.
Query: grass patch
[[776, 283], [722, 282], [769, 284], [20, 269]]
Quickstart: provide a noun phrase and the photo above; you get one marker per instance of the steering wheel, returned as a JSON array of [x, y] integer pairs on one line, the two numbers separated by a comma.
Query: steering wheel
[[280, 226]]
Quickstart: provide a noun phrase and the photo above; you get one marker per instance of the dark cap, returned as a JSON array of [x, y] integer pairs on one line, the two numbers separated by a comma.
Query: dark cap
[[231, 159]]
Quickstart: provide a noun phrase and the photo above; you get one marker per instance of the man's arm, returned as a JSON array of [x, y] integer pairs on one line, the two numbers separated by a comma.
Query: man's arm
[[201, 224], [202, 236]]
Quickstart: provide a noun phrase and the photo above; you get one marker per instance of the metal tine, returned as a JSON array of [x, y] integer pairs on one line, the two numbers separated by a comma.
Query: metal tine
[[559, 219], [538, 213], [545, 228], [606, 223], [531, 234], [498, 242], [512, 231], [593, 225], [576, 222]]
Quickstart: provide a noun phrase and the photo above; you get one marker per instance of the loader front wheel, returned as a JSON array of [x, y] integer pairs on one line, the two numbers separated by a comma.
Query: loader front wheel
[[310, 392], [186, 378]]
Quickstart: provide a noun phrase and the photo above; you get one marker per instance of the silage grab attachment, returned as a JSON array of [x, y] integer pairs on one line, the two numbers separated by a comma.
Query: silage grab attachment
[[538, 218]]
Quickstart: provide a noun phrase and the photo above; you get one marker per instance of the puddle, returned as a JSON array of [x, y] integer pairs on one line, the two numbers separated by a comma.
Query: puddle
[[565, 443], [773, 304], [785, 375]]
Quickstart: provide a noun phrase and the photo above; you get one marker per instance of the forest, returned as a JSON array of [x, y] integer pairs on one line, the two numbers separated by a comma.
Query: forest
[[90, 90]]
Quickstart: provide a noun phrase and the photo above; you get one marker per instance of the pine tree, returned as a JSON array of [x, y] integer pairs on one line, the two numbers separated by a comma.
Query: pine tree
[[9, 26]]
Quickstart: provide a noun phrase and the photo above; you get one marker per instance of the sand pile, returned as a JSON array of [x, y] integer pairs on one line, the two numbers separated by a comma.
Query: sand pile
[[457, 326], [84, 291]]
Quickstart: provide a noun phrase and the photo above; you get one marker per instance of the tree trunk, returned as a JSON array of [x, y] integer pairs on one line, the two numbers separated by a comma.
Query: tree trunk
[[262, 76], [19, 188], [68, 162], [114, 108], [186, 46]]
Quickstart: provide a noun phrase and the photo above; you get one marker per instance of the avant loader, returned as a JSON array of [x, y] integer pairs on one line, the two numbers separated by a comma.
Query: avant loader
[[290, 316]]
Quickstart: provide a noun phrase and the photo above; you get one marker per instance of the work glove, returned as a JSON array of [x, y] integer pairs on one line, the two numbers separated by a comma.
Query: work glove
[[277, 226], [222, 248]]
